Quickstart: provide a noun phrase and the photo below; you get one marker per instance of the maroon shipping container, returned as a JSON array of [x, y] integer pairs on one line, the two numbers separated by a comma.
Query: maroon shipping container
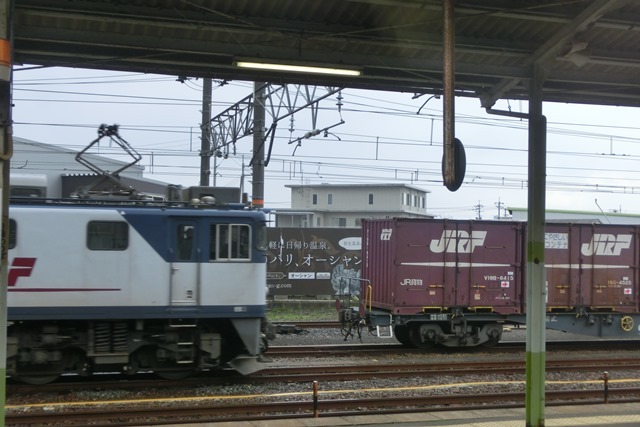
[[592, 266], [427, 266]]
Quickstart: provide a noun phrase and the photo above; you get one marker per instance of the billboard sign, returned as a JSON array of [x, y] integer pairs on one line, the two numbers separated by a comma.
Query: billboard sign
[[314, 261]]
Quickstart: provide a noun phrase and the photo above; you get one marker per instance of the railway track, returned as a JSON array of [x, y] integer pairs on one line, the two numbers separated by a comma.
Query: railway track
[[334, 350], [304, 374], [345, 372], [203, 410], [351, 351], [395, 370]]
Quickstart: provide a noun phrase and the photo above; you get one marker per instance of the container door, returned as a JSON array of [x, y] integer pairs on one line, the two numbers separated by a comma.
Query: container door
[[562, 265], [419, 282], [609, 267], [185, 265], [488, 257]]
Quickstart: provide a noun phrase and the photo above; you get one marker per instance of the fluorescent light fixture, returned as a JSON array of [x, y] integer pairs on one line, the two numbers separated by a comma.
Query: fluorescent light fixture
[[297, 68]]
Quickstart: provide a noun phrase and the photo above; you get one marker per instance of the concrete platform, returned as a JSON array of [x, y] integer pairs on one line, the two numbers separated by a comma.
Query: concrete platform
[[605, 415]]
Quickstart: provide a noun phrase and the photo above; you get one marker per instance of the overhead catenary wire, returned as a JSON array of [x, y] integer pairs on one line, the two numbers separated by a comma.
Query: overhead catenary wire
[[425, 170]]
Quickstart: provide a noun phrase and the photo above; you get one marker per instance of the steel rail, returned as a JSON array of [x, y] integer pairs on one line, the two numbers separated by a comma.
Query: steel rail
[[201, 413]]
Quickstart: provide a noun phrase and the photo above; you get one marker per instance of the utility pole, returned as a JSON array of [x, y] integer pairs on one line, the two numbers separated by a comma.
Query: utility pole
[[205, 128], [259, 113], [478, 209], [499, 205]]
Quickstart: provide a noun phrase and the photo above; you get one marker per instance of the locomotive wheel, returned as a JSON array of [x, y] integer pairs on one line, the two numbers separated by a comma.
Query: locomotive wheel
[[402, 335], [72, 361], [36, 379], [416, 341], [490, 343], [177, 374]]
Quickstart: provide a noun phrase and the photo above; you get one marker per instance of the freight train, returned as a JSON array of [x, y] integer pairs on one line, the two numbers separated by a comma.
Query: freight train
[[134, 286], [457, 283]]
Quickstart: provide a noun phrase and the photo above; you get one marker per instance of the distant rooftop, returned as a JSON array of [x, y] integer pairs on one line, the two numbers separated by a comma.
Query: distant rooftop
[[390, 185]]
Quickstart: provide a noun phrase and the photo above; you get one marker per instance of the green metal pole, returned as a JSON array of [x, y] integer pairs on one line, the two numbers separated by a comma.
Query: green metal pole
[[536, 279]]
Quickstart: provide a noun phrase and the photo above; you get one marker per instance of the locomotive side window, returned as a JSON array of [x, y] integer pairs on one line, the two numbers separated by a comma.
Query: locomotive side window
[[185, 242], [240, 241], [229, 241], [13, 233], [262, 242], [107, 236], [223, 241]]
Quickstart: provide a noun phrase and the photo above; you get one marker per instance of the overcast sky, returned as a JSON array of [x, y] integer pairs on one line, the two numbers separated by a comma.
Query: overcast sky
[[592, 160]]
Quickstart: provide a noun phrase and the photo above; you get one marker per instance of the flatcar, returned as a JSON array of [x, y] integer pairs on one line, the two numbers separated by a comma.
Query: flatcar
[[457, 283], [134, 287]]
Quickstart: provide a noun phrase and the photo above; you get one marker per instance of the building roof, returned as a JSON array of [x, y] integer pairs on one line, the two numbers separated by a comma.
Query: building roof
[[570, 212], [49, 148], [383, 185]]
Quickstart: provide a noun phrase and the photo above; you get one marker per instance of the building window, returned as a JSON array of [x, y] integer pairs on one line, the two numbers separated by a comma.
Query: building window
[[370, 198], [314, 199], [339, 222], [318, 222], [422, 202], [329, 199], [107, 236]]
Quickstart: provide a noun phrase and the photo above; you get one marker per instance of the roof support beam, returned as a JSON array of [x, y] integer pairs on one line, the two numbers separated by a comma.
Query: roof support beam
[[548, 50]]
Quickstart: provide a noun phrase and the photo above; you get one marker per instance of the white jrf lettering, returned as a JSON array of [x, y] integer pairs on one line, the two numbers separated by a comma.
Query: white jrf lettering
[[606, 244], [458, 241], [386, 234]]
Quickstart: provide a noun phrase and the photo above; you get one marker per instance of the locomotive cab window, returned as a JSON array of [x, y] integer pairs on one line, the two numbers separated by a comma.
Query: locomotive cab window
[[107, 236], [229, 241]]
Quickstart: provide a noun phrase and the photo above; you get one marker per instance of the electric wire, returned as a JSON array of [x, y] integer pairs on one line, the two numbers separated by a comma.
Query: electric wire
[[371, 105]]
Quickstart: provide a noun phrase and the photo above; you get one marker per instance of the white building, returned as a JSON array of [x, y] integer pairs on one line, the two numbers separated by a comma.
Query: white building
[[552, 215], [345, 205], [35, 164]]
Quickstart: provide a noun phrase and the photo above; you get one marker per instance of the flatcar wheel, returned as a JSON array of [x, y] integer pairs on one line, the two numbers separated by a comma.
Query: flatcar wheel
[[416, 339], [402, 335]]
